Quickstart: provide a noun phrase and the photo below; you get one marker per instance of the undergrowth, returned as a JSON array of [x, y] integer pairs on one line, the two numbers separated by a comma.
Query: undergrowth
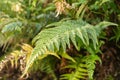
[[36, 34]]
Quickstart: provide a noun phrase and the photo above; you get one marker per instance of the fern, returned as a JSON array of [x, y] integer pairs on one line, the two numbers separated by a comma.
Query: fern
[[79, 70], [80, 73], [53, 39], [16, 59], [10, 31], [83, 68], [90, 62], [13, 26], [46, 65], [117, 34]]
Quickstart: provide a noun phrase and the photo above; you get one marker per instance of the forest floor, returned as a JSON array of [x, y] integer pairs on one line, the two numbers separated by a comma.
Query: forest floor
[[110, 67]]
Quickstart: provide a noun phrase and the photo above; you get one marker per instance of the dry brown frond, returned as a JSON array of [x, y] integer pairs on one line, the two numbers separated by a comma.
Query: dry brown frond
[[61, 6]]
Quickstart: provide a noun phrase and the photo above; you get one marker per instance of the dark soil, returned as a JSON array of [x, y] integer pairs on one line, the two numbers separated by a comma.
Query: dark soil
[[110, 67]]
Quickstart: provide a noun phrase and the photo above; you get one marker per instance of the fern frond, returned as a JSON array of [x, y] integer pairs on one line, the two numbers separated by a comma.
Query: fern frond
[[15, 58], [83, 68], [13, 26], [59, 37], [90, 62], [79, 73], [79, 70], [9, 28]]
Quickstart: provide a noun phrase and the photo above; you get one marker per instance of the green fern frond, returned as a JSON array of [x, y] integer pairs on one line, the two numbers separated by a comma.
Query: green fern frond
[[83, 68], [79, 73], [13, 26], [103, 25], [79, 70], [9, 31], [53, 39], [90, 62]]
